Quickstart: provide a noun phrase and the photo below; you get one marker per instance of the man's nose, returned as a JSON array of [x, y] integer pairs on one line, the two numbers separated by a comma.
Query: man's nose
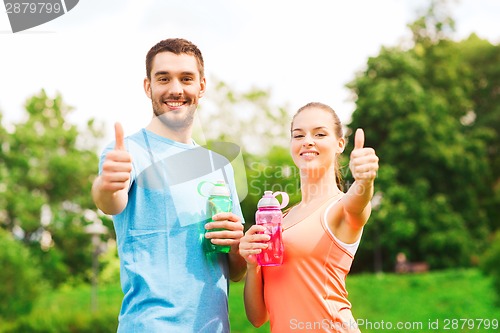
[[175, 87]]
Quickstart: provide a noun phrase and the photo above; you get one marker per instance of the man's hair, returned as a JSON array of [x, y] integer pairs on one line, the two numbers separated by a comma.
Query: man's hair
[[176, 46]]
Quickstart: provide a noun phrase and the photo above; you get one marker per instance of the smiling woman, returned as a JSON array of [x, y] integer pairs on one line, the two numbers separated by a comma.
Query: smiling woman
[[310, 135], [321, 234]]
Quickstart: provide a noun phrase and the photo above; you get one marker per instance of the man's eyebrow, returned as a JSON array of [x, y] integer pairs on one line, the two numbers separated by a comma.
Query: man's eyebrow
[[167, 72], [161, 73]]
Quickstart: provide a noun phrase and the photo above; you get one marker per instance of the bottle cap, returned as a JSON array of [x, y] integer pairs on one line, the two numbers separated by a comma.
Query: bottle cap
[[220, 189], [269, 200]]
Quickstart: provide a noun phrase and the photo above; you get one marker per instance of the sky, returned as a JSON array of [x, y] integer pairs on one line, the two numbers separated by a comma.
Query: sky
[[300, 51]]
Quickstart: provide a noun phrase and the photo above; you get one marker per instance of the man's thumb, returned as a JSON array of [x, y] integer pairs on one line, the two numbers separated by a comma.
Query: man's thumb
[[359, 139], [119, 137]]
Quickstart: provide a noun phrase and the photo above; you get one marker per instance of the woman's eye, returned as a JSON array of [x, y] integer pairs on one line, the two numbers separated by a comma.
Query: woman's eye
[[298, 136], [320, 134]]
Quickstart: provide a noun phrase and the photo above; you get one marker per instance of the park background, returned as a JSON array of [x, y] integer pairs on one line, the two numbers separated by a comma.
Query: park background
[[425, 90]]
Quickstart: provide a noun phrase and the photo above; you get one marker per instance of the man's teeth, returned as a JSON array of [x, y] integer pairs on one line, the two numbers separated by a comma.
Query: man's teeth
[[175, 104]]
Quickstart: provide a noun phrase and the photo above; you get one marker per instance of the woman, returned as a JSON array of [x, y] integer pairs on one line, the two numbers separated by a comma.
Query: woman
[[321, 234]]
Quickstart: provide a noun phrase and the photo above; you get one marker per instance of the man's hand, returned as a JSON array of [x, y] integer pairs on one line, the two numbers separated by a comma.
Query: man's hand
[[110, 188], [117, 165], [232, 233]]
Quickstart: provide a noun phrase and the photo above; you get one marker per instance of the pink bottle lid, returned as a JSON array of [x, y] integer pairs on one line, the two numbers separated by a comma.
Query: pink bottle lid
[[269, 200]]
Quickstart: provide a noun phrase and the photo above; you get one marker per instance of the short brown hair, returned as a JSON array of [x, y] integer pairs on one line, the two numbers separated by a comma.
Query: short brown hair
[[176, 46]]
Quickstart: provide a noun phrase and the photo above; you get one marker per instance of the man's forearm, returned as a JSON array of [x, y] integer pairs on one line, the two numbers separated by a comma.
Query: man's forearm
[[111, 203], [237, 267]]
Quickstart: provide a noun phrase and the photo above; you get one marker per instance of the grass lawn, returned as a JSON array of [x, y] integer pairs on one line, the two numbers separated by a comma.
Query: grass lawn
[[446, 301], [441, 301]]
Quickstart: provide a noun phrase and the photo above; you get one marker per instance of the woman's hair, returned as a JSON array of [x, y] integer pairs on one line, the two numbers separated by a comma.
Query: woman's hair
[[337, 128], [176, 46]]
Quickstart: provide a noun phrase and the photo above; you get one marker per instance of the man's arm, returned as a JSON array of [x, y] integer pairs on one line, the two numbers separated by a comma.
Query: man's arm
[[237, 266], [110, 188], [109, 202]]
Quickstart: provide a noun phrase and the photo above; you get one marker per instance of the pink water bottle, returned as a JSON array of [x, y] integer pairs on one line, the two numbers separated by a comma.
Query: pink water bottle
[[270, 216]]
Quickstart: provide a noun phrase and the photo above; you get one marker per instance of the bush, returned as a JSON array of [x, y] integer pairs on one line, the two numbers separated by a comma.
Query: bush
[[490, 263], [81, 322], [21, 279]]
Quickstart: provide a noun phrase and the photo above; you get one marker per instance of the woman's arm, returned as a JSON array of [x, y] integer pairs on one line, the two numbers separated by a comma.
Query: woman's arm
[[250, 245], [255, 306], [356, 203]]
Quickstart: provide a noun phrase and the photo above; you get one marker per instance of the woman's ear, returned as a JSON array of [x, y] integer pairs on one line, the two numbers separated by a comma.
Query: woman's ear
[[341, 147]]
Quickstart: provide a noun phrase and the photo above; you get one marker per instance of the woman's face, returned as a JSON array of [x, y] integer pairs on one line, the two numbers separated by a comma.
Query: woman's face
[[314, 145]]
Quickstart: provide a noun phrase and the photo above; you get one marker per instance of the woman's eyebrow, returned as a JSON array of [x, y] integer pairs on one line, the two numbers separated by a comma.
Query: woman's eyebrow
[[314, 129]]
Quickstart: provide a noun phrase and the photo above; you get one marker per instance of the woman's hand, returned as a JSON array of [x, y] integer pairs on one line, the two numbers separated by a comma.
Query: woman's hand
[[252, 243], [364, 161]]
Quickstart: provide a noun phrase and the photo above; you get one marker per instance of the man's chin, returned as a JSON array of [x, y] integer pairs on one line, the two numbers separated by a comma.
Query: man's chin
[[172, 121]]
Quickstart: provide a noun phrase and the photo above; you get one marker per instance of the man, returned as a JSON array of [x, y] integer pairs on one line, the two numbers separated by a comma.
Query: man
[[149, 181]]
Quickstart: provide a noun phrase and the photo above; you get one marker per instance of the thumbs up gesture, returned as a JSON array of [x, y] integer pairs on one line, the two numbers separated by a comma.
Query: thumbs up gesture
[[117, 165], [364, 161]]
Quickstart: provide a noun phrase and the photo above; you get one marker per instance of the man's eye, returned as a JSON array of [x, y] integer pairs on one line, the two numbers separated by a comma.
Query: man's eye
[[187, 79], [163, 79]]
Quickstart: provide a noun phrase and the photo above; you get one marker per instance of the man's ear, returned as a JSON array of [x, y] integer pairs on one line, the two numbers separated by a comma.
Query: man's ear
[[147, 87], [203, 86]]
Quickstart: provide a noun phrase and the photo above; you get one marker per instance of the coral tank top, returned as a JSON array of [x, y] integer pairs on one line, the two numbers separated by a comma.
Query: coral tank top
[[307, 292]]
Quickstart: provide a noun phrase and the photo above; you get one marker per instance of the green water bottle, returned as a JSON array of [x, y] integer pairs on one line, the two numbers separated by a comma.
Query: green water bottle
[[219, 201]]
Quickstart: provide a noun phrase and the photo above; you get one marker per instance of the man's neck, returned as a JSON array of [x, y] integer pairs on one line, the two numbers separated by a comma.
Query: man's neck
[[182, 135]]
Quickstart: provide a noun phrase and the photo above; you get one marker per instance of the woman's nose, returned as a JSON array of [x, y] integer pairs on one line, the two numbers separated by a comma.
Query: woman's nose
[[308, 141]]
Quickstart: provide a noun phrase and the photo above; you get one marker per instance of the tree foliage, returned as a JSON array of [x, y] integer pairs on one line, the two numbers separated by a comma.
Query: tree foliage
[[22, 281], [422, 113], [45, 177], [246, 118]]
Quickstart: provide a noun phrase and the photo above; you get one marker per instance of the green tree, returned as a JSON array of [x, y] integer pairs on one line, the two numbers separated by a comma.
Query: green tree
[[484, 116], [245, 118], [46, 171], [272, 171], [22, 281], [415, 106]]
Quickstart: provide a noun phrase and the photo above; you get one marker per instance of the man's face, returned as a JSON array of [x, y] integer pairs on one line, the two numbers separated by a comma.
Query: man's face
[[175, 88]]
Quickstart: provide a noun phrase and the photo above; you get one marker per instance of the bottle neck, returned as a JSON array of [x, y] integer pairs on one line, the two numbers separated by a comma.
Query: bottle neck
[[269, 208]]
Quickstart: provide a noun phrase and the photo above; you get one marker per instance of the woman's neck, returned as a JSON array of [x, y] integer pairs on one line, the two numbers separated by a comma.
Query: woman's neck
[[320, 188]]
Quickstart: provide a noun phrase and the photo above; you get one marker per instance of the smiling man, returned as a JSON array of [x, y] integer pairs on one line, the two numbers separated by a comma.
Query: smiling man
[[148, 181]]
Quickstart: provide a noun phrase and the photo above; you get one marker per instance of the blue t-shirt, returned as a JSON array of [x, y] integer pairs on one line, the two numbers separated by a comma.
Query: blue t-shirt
[[169, 283]]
